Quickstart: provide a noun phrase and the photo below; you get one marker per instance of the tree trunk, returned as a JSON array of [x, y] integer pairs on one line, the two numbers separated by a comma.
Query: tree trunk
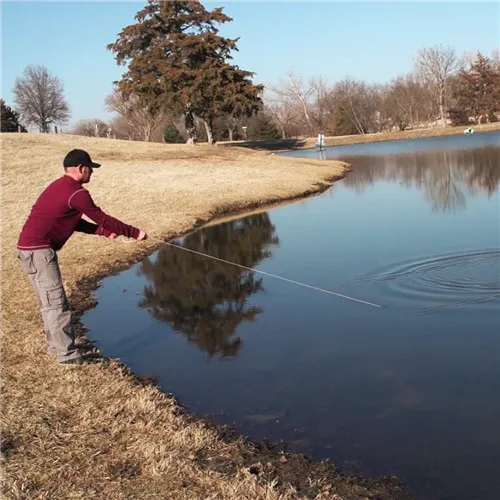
[[209, 127], [147, 133], [230, 131], [306, 114], [354, 118], [441, 107], [190, 127]]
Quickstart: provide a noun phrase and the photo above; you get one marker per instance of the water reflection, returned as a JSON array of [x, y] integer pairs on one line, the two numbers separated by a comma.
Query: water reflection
[[443, 175], [205, 299]]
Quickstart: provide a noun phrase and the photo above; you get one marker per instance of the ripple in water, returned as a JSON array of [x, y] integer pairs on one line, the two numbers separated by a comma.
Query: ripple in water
[[460, 280]]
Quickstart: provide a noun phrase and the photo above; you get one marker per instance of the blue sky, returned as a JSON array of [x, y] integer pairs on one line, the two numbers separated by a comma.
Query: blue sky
[[373, 41]]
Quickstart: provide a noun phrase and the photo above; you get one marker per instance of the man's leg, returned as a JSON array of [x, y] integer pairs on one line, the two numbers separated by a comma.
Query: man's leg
[[26, 259], [48, 337], [43, 268]]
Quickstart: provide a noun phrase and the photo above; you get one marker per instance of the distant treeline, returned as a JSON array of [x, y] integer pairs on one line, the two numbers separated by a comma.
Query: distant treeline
[[180, 86]]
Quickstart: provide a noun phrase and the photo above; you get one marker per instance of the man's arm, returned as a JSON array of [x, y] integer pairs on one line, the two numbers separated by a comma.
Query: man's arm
[[84, 226], [83, 202]]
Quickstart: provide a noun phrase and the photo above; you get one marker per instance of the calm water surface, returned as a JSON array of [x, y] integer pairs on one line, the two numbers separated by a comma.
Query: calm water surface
[[411, 388]]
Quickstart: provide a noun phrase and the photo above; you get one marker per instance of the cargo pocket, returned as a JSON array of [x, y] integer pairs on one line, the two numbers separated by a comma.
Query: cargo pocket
[[26, 261], [49, 255], [56, 297]]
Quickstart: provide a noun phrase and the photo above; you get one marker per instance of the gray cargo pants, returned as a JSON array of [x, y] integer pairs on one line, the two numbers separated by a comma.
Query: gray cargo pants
[[42, 267]]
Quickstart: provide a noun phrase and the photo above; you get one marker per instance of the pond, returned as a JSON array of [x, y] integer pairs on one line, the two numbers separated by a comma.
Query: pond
[[409, 388]]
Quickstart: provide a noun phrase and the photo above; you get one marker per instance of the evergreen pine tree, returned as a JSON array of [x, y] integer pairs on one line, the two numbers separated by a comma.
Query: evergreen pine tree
[[9, 118], [172, 134], [178, 61], [261, 126], [476, 91]]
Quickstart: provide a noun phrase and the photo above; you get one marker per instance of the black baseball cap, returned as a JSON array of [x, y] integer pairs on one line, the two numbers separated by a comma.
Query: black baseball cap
[[79, 157]]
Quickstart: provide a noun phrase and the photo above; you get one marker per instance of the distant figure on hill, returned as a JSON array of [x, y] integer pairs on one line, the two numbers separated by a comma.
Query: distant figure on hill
[[54, 217]]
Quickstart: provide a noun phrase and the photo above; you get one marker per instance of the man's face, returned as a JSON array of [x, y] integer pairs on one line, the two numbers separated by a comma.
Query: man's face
[[86, 174]]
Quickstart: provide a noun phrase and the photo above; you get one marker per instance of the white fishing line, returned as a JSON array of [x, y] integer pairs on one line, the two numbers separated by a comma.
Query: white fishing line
[[272, 275], [329, 292]]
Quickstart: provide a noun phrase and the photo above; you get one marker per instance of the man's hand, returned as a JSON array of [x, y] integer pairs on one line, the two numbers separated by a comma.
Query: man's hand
[[142, 236], [112, 236]]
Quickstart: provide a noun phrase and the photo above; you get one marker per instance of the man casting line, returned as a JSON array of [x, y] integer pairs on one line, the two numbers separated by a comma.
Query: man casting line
[[54, 217]]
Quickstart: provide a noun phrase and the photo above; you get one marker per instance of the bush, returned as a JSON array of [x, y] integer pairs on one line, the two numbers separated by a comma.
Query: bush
[[172, 134]]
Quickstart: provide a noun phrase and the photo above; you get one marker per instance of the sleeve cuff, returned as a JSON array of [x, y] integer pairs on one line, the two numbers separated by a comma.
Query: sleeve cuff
[[103, 232]]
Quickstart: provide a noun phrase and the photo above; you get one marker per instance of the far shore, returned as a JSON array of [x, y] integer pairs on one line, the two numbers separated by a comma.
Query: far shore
[[283, 145], [101, 430]]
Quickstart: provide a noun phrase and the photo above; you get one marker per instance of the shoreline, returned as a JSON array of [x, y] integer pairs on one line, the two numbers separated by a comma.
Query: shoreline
[[295, 468], [235, 463], [260, 454], [297, 144]]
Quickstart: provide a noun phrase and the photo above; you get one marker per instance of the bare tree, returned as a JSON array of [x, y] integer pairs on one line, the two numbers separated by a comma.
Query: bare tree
[[286, 118], [122, 129], [39, 98], [293, 92], [359, 103], [402, 102], [379, 107], [91, 128], [409, 101], [231, 124], [347, 97], [143, 120], [437, 64], [322, 108]]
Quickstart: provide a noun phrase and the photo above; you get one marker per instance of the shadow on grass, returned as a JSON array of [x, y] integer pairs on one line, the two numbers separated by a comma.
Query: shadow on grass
[[268, 144]]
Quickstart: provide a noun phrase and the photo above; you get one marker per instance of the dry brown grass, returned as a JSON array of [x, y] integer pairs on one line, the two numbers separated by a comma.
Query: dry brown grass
[[95, 431]]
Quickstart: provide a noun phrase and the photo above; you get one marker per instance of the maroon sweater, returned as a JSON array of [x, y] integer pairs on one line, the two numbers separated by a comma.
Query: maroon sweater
[[58, 213]]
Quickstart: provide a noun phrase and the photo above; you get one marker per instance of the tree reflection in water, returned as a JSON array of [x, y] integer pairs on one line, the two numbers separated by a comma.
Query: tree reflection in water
[[205, 299], [442, 175]]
